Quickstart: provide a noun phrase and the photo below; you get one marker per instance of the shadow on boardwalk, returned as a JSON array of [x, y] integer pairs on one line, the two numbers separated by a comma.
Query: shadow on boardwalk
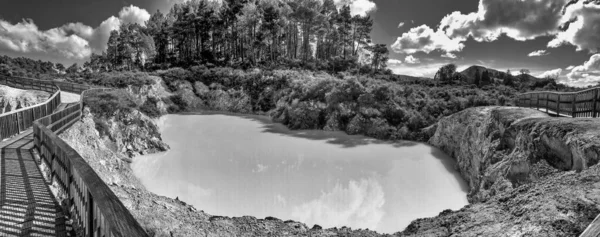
[[27, 206]]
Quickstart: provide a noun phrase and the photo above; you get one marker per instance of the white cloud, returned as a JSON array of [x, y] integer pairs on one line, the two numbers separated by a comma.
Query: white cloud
[[520, 20], [359, 205], [25, 38], [551, 73], [394, 61], [581, 21], [133, 14], [358, 7], [448, 55], [538, 53], [586, 74], [424, 39], [401, 24], [411, 60], [72, 41], [569, 68], [418, 70]]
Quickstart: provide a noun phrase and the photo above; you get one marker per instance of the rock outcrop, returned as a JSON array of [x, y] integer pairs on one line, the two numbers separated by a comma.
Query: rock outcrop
[[12, 98], [529, 174]]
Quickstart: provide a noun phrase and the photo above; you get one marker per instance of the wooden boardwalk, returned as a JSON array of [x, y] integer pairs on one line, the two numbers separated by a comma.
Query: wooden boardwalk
[[27, 206]]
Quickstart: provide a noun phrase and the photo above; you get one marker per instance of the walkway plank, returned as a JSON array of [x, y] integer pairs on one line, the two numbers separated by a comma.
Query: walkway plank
[[27, 206]]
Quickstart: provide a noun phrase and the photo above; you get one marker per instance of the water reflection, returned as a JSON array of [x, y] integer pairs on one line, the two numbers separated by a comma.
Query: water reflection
[[245, 165]]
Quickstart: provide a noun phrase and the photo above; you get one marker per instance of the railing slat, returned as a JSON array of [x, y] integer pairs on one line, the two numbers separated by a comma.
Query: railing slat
[[574, 104]]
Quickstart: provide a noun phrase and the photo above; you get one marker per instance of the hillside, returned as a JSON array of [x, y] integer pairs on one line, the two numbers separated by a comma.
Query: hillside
[[470, 72]]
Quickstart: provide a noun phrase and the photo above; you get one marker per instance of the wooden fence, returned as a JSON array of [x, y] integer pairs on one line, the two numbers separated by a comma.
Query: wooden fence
[[17, 121], [95, 209], [579, 104]]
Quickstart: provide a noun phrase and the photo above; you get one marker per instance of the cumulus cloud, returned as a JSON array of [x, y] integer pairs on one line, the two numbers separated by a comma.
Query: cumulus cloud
[[569, 68], [538, 53], [401, 24], [73, 41], [575, 24], [360, 205], [448, 55], [424, 39], [551, 73], [411, 60], [581, 21], [133, 14], [358, 7], [25, 37], [394, 61], [586, 74]]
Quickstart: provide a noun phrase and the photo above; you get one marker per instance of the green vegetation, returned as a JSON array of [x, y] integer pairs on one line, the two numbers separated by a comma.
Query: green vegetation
[[308, 34], [121, 79], [386, 109]]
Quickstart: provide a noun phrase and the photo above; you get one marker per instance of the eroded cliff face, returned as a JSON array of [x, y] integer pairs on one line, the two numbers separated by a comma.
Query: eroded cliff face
[[529, 174]]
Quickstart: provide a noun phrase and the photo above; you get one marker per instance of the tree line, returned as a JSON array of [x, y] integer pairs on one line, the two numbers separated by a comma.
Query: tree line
[[246, 33]]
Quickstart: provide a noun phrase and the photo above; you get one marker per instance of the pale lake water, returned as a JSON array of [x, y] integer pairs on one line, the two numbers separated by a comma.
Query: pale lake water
[[238, 165]]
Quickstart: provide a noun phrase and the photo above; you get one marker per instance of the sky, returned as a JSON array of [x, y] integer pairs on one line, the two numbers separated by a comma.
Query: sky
[[548, 37]]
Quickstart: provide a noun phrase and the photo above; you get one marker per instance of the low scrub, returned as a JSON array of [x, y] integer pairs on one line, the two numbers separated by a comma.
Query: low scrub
[[386, 107]]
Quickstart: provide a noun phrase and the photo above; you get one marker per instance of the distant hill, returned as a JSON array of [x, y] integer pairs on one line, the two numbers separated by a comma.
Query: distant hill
[[469, 75]]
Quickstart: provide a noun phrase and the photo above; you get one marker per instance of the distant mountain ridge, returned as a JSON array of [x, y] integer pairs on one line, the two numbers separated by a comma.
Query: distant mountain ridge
[[469, 74]]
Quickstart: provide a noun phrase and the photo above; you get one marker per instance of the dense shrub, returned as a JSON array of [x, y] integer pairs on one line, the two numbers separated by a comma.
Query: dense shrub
[[121, 79], [381, 106], [150, 108], [106, 103]]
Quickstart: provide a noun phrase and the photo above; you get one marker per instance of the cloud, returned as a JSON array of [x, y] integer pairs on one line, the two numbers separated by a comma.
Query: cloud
[[417, 70], [586, 74], [25, 38], [551, 73], [575, 24], [581, 21], [569, 68], [280, 200], [448, 55], [394, 61], [359, 205], [133, 14], [358, 7], [401, 24], [538, 53], [72, 41], [424, 39], [411, 60]]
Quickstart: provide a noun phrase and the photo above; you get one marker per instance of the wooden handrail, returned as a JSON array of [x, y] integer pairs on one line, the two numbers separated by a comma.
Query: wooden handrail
[[570, 104], [17, 121], [95, 209]]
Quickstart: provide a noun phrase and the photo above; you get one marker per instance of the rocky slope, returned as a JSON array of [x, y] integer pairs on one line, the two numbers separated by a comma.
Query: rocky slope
[[529, 174], [12, 98]]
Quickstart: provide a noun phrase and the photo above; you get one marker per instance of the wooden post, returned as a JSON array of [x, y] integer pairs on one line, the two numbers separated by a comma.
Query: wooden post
[[558, 106], [594, 110], [547, 95], [573, 108]]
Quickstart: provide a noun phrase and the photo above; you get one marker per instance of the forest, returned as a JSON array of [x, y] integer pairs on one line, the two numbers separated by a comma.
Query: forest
[[311, 34]]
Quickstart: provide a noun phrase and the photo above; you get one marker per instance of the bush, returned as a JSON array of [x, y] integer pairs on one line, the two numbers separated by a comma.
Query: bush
[[107, 103], [150, 108], [122, 79]]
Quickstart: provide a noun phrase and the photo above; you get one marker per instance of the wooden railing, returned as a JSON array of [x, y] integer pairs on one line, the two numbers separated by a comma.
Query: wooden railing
[[584, 103], [95, 209], [17, 121]]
